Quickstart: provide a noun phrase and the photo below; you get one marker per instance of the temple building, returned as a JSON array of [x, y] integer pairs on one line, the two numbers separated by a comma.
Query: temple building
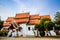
[[6, 23], [26, 21]]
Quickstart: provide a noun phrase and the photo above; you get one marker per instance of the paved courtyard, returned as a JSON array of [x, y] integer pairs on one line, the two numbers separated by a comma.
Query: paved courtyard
[[27, 38]]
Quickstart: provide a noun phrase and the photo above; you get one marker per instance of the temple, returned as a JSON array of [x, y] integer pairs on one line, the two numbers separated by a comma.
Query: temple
[[25, 20]]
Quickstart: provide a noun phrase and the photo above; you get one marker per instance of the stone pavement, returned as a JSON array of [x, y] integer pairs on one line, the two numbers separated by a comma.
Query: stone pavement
[[30, 38]]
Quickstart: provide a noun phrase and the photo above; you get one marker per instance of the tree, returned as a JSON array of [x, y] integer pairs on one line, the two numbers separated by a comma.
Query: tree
[[42, 21], [57, 16], [1, 24], [40, 26], [48, 25], [57, 19]]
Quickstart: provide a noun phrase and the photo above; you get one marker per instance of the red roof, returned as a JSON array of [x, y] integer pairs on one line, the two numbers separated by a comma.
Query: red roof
[[9, 19], [45, 16], [35, 16], [25, 18], [36, 21], [22, 20], [22, 15], [6, 24]]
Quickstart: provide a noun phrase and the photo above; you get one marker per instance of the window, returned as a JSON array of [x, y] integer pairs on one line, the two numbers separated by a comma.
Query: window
[[29, 28]]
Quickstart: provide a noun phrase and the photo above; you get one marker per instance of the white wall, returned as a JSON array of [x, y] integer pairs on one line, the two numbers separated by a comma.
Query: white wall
[[24, 29], [31, 32], [31, 27]]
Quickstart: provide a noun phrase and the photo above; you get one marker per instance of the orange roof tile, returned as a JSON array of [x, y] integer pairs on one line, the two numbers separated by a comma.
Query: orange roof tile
[[25, 18], [10, 19], [22, 20], [6, 24], [36, 21], [22, 15], [45, 16], [34, 16]]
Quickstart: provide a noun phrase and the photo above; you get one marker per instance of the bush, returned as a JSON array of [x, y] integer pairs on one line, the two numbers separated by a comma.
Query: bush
[[3, 33], [42, 33]]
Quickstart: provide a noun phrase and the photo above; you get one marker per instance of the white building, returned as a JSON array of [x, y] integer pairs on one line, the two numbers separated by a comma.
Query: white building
[[26, 21]]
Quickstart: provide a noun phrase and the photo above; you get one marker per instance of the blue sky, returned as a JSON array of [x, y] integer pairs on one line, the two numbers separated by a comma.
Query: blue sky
[[9, 8]]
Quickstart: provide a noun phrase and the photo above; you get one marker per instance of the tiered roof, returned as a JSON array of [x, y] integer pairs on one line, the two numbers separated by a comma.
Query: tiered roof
[[32, 22], [9, 19], [22, 17], [25, 18], [7, 22], [22, 20], [36, 16], [34, 19]]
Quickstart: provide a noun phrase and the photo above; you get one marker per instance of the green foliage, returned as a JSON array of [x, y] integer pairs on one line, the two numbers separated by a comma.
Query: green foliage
[[3, 33], [57, 18], [49, 25], [36, 26], [40, 26], [42, 21], [1, 24]]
